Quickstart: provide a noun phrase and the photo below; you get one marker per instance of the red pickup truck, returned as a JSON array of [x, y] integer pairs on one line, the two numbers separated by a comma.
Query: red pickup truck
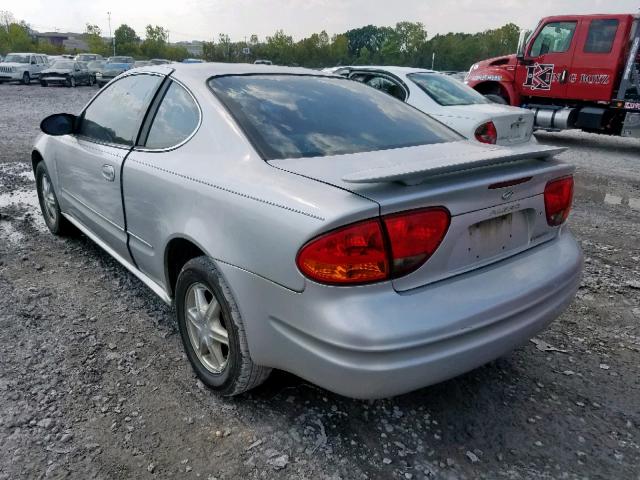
[[574, 71]]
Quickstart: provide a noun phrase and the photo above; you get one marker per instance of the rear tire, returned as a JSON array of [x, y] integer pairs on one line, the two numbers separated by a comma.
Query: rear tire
[[497, 98], [231, 371], [57, 224]]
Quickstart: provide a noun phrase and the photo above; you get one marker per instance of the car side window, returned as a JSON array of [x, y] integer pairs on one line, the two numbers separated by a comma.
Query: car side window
[[387, 86], [554, 37], [177, 118], [117, 112], [601, 36]]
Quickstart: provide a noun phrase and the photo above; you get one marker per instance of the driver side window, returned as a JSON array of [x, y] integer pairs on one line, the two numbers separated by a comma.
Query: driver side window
[[116, 114], [554, 37]]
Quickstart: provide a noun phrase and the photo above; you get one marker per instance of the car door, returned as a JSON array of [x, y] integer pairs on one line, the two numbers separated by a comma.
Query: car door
[[546, 68], [599, 58], [89, 162]]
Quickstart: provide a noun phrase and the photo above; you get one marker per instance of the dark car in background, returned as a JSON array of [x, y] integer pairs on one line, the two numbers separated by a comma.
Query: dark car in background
[[96, 67], [114, 67], [67, 73]]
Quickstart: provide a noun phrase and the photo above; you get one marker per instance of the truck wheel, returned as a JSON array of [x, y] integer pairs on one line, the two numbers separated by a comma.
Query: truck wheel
[[496, 98], [212, 331], [26, 78]]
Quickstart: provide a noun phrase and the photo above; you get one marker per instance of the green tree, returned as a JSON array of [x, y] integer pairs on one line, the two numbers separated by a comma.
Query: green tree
[[95, 42], [155, 42], [127, 42]]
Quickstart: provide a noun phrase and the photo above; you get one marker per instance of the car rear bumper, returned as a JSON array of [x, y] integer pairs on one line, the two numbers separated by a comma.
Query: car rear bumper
[[371, 342]]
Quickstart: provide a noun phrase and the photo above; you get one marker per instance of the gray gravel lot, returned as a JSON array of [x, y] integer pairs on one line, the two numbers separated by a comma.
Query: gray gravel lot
[[94, 384]]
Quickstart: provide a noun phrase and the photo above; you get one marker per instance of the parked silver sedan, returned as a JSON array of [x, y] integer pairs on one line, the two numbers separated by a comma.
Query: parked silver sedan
[[306, 222]]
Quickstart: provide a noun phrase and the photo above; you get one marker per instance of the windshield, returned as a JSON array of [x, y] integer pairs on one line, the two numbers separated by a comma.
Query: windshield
[[445, 90], [85, 57], [16, 58], [293, 116], [64, 65]]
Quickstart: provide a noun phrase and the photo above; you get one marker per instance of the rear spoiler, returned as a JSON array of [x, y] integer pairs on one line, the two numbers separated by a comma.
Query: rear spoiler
[[412, 173]]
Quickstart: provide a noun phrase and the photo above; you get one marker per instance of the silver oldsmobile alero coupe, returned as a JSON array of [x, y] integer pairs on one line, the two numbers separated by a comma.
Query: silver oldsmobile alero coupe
[[303, 221]]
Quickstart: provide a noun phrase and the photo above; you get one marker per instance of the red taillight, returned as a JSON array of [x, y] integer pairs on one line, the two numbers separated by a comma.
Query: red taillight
[[414, 236], [365, 253], [558, 195], [349, 255], [487, 133]]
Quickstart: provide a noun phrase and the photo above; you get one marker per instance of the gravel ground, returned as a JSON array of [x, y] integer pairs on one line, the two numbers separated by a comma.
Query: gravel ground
[[94, 384]]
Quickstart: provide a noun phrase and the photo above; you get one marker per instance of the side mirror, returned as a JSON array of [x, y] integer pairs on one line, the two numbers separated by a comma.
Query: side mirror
[[59, 124]]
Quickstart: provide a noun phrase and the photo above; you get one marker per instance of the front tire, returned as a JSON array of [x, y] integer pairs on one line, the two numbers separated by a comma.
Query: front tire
[[57, 224], [43, 83], [26, 78], [71, 82], [212, 331]]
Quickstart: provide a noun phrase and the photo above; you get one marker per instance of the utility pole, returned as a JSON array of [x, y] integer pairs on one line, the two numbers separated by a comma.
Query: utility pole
[[113, 39], [433, 61]]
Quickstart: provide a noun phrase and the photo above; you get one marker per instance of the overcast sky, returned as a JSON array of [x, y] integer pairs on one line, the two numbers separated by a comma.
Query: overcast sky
[[205, 19]]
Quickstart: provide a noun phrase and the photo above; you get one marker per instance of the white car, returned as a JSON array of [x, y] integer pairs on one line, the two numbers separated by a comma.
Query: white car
[[450, 101], [22, 67]]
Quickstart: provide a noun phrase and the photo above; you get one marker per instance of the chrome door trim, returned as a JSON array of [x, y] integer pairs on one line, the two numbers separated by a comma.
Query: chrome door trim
[[157, 289], [146, 244]]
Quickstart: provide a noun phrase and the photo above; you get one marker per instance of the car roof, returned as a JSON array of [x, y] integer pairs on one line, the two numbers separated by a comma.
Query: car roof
[[392, 69], [200, 72]]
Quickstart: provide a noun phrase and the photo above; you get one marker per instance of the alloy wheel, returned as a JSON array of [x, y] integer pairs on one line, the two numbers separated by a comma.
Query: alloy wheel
[[206, 328], [49, 199]]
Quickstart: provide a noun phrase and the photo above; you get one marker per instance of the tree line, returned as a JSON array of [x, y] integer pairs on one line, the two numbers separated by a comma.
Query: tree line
[[406, 44]]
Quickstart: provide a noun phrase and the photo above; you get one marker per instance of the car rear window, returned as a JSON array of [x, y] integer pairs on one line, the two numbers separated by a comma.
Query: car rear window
[[293, 116], [445, 90]]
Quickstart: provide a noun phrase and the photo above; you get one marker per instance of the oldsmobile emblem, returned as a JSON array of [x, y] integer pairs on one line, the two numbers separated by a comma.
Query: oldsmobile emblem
[[507, 195]]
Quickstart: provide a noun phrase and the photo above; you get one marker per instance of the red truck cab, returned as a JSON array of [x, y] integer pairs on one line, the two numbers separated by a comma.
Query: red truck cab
[[575, 71]]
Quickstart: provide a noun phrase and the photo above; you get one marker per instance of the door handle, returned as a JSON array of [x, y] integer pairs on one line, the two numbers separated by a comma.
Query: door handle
[[563, 76], [109, 173]]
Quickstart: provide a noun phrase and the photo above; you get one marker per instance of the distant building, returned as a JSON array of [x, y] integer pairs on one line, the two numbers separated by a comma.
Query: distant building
[[194, 48], [70, 41]]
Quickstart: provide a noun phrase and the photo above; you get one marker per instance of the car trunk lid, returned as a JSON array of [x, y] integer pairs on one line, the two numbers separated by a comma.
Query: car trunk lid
[[494, 195], [514, 125]]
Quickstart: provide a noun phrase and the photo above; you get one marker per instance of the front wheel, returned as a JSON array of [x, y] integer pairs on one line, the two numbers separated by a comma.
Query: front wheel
[[43, 83], [212, 331], [91, 81], [57, 224], [26, 78], [71, 82]]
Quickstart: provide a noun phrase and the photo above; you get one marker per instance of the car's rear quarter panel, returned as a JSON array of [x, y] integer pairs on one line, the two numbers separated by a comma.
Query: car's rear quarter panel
[[216, 192]]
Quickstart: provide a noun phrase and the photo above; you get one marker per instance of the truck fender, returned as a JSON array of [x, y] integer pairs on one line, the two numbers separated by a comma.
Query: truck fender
[[504, 89]]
